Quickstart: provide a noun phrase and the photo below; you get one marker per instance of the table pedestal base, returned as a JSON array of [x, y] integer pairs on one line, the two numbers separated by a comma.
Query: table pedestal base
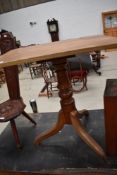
[[62, 120], [68, 113]]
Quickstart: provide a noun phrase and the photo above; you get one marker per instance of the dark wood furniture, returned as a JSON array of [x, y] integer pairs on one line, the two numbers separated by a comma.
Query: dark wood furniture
[[77, 74], [53, 29], [14, 106], [2, 77], [109, 19], [50, 79], [87, 64], [88, 61], [58, 52], [35, 70], [96, 58], [110, 109]]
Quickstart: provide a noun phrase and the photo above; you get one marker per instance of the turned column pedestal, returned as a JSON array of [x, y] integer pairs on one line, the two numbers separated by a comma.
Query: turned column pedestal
[[68, 113]]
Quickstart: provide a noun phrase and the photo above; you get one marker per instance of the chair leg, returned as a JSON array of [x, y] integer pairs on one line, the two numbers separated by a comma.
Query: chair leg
[[95, 69], [85, 83], [48, 91], [31, 73], [28, 117], [15, 133]]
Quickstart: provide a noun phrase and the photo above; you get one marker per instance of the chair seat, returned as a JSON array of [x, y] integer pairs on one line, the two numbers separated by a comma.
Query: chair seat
[[78, 73], [11, 109]]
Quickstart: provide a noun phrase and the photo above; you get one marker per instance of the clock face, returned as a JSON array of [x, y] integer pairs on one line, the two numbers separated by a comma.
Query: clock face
[[53, 28]]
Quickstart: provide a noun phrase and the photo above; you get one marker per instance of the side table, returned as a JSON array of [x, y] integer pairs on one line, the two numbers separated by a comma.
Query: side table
[[58, 52]]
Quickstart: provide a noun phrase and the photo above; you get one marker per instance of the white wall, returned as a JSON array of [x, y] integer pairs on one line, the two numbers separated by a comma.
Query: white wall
[[76, 18]]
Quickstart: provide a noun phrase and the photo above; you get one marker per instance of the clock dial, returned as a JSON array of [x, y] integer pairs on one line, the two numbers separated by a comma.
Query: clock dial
[[52, 28]]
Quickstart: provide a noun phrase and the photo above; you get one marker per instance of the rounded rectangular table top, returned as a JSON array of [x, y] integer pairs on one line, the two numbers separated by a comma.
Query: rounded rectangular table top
[[58, 49]]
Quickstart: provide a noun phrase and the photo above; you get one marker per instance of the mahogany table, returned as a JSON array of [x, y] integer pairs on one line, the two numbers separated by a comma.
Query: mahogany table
[[58, 52], [110, 110]]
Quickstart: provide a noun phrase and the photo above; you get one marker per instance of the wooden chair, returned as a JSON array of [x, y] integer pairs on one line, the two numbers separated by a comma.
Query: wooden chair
[[87, 64], [96, 56], [2, 77], [50, 79], [35, 70], [14, 106], [77, 75]]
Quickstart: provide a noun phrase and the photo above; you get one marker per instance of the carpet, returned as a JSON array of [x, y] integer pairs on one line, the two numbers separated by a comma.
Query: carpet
[[64, 150]]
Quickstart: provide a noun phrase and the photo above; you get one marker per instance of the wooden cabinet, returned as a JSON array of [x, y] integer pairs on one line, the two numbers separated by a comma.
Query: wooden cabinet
[[110, 23], [110, 111]]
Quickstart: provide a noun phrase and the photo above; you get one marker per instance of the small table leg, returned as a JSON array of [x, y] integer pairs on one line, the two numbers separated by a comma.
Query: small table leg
[[68, 113]]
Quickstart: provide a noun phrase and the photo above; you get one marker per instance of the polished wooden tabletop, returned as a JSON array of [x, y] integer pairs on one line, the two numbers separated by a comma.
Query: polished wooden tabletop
[[57, 49]]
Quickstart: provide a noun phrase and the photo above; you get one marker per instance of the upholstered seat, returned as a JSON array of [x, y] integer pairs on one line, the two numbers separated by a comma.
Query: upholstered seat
[[85, 59], [76, 73]]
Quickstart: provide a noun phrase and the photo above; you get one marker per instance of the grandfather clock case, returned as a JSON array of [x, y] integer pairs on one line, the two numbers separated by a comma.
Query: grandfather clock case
[[53, 29]]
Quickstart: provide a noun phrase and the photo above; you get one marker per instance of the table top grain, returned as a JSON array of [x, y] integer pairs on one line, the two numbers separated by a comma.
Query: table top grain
[[58, 49]]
